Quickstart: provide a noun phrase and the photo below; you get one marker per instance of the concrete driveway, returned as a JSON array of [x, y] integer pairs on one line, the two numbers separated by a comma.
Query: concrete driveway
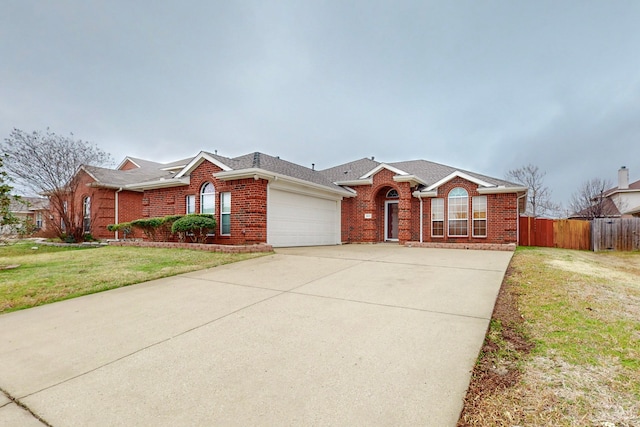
[[342, 335]]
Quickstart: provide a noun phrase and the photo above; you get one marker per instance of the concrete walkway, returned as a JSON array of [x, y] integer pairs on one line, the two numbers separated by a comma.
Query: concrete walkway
[[342, 335]]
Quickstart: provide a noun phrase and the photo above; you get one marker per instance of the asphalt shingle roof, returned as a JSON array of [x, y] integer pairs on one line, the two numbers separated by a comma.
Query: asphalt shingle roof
[[120, 178], [282, 167], [350, 171], [428, 172]]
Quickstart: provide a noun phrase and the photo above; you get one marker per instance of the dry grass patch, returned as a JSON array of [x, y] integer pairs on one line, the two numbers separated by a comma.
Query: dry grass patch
[[49, 274], [581, 311]]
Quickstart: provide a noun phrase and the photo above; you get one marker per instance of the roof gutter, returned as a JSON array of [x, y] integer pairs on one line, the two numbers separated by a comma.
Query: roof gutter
[[502, 190], [421, 194], [355, 182], [160, 183]]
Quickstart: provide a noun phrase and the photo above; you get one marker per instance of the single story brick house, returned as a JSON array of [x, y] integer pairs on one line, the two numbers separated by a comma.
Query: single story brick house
[[257, 198]]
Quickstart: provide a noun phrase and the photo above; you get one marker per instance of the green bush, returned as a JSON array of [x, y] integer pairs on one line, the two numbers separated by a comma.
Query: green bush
[[125, 227], [149, 226], [195, 226]]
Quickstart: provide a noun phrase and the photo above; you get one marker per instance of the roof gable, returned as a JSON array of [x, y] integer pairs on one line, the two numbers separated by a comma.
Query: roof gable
[[459, 174], [197, 161], [381, 166], [264, 165]]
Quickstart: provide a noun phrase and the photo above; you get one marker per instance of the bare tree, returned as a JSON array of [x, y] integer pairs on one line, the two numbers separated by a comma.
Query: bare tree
[[539, 201], [590, 201], [48, 164]]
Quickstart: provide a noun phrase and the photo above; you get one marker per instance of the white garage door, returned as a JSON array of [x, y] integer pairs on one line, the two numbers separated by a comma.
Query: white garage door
[[295, 219]]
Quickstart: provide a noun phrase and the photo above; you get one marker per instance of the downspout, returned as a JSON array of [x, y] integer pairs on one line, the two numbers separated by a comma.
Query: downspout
[[421, 218], [518, 218], [117, 217]]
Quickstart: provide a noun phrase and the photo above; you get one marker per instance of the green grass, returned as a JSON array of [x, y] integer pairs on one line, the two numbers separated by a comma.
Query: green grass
[[50, 273], [581, 310]]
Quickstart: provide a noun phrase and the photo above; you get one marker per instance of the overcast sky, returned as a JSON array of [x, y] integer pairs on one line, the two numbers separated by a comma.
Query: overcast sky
[[485, 86]]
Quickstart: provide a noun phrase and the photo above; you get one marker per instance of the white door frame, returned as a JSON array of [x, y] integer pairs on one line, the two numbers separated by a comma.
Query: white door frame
[[386, 219]]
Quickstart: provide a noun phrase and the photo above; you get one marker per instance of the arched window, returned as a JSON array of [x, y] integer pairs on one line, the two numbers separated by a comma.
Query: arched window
[[208, 199], [86, 214], [392, 194], [458, 212]]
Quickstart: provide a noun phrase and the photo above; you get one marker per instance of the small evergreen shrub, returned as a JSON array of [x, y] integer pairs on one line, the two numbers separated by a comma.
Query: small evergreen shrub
[[149, 226], [125, 227], [195, 226]]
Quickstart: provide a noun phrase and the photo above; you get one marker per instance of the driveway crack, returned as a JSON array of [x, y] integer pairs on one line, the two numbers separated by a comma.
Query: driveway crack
[[22, 405]]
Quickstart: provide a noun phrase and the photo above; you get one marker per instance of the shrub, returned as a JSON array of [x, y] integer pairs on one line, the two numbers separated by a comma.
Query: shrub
[[149, 226], [125, 227], [195, 226], [163, 233]]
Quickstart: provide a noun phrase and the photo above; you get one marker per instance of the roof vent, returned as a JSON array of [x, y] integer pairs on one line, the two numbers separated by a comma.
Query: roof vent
[[373, 158], [313, 166]]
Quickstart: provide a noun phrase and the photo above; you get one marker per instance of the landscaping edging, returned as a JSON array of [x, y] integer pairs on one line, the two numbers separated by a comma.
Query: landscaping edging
[[476, 246], [233, 249]]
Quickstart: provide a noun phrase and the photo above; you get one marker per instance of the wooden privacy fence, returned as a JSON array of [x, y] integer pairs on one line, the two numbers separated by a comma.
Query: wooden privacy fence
[[572, 234], [601, 234], [555, 233], [616, 234]]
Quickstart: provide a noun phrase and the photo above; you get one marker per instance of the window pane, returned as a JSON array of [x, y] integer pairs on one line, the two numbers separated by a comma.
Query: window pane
[[437, 228], [191, 204], [225, 202], [225, 213], [225, 227], [480, 228], [437, 217], [208, 199], [458, 227], [458, 212], [480, 216], [437, 209]]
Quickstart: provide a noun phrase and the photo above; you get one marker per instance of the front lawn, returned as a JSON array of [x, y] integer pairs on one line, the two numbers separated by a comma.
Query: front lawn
[[49, 273], [563, 347]]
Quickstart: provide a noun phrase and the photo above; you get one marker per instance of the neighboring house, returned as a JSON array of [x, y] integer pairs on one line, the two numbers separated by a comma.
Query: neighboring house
[[104, 196], [258, 198], [34, 209], [626, 196], [617, 202]]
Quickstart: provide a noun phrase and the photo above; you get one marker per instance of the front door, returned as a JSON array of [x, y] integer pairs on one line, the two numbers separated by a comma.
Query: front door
[[391, 221]]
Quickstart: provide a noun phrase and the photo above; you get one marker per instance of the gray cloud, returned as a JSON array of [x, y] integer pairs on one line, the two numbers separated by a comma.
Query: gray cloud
[[487, 86]]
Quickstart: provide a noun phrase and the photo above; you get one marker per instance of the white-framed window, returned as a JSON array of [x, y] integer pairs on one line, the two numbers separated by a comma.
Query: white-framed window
[[38, 220], [479, 216], [191, 204], [225, 213], [393, 194], [208, 199], [437, 217], [458, 212], [86, 214]]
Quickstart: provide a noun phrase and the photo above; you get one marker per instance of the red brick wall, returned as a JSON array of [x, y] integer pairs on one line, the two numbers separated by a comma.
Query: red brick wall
[[128, 165], [502, 216], [102, 207], [502, 213], [370, 200], [248, 204]]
